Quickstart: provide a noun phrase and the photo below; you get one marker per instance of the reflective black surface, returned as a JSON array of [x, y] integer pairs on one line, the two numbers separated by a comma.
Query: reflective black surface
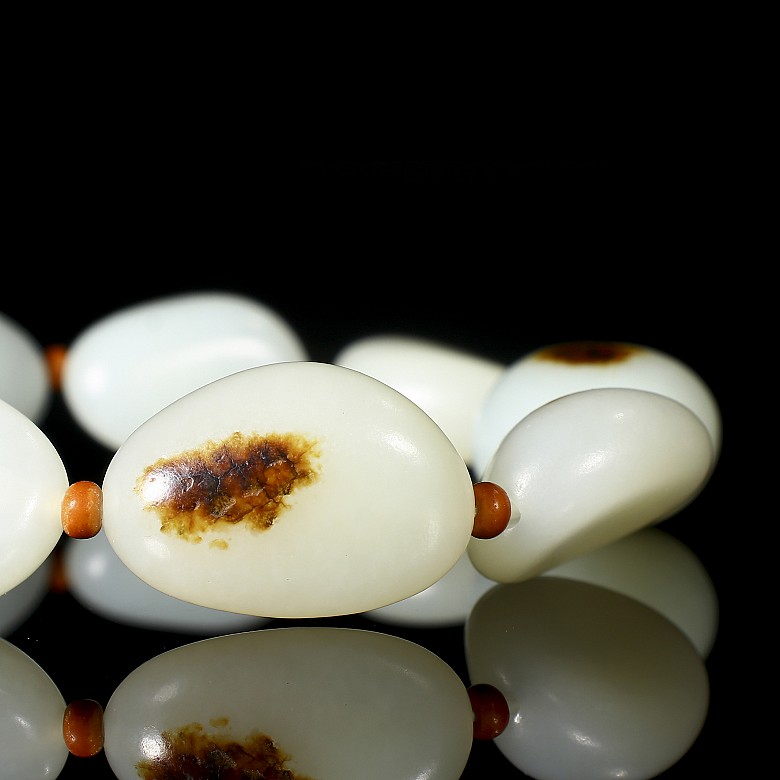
[[495, 257]]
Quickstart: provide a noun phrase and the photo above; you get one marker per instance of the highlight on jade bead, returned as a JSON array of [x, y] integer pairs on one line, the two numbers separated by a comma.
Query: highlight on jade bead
[[82, 727], [82, 510]]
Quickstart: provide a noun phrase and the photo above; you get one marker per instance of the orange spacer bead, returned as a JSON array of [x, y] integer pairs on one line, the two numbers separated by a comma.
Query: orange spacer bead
[[493, 510], [82, 728], [491, 711], [82, 510], [55, 359]]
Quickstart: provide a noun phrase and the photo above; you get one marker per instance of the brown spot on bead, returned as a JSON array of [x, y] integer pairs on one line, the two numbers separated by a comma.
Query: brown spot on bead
[[243, 479], [491, 711], [590, 352], [82, 728], [82, 510], [189, 752], [493, 510]]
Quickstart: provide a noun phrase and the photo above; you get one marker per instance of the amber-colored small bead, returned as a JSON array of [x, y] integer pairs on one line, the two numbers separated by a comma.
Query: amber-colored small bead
[[54, 355], [82, 728], [491, 711], [493, 510], [82, 510]]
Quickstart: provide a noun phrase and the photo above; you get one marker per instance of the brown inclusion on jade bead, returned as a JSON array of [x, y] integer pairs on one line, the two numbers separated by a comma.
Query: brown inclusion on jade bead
[[243, 479], [593, 352], [190, 753]]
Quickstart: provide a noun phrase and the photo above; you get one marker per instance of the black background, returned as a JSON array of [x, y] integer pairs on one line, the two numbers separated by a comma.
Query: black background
[[498, 257]]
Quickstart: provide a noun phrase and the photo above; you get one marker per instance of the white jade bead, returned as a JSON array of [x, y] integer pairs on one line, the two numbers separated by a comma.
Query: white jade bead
[[598, 684], [127, 366], [24, 376], [445, 603], [31, 713], [341, 703], [98, 580], [653, 567], [20, 602], [536, 378], [587, 469], [33, 482], [448, 384], [389, 510]]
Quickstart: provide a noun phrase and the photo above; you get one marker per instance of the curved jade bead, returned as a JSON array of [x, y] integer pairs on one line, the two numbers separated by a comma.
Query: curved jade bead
[[130, 364], [588, 469], [33, 482]]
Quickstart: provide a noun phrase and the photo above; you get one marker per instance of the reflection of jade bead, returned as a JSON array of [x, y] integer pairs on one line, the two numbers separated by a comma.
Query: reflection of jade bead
[[657, 569], [17, 604], [598, 684], [324, 703], [98, 580], [561, 369], [587, 469], [31, 711], [296, 489]]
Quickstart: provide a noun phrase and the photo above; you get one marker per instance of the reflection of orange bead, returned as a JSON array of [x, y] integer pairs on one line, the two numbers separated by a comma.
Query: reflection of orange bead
[[82, 728], [491, 711], [58, 579], [82, 510], [55, 358], [493, 510]]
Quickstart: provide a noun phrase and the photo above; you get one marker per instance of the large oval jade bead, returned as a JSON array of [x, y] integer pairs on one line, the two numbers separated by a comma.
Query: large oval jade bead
[[290, 490]]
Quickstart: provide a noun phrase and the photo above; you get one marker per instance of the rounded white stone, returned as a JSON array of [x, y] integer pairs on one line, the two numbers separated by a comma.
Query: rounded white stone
[[31, 712], [99, 581], [445, 603], [654, 567], [587, 469], [127, 366], [24, 376], [449, 384], [339, 702], [20, 602], [598, 684], [33, 482], [388, 512], [538, 377]]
